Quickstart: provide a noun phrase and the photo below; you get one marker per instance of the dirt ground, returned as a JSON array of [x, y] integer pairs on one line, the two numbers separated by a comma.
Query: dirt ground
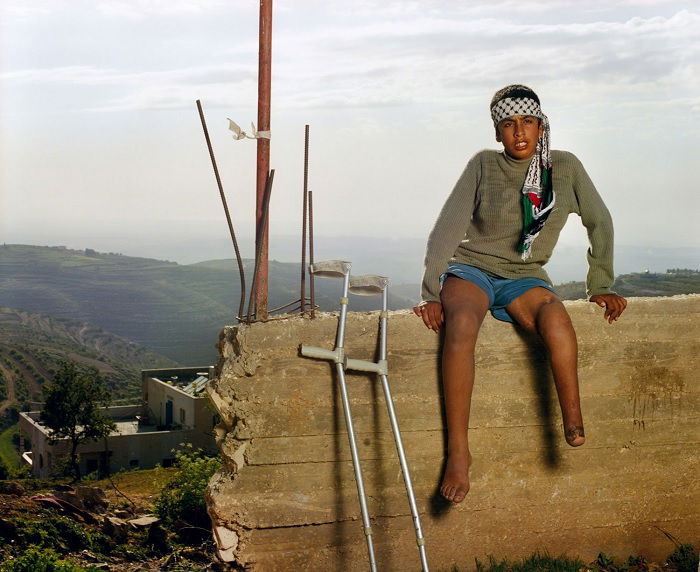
[[130, 495]]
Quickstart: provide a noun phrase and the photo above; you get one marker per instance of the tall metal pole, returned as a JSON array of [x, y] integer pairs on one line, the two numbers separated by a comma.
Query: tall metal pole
[[263, 164]]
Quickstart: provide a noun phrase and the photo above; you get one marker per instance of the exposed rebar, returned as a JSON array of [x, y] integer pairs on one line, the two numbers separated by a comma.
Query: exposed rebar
[[241, 304], [303, 217], [311, 253], [262, 227]]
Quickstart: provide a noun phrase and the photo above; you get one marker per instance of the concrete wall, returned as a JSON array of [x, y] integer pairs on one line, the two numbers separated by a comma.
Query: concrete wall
[[286, 499]]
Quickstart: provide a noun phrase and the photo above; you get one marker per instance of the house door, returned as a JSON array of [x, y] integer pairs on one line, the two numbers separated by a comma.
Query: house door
[[169, 412]]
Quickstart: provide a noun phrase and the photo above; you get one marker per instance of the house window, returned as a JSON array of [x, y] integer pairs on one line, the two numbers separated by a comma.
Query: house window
[[182, 416]]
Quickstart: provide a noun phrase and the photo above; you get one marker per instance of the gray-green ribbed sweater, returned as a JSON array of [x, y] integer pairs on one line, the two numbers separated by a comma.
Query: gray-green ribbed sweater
[[481, 222]]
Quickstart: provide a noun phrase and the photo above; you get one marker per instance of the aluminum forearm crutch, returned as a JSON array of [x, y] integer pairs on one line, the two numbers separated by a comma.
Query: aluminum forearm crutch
[[341, 269], [372, 286]]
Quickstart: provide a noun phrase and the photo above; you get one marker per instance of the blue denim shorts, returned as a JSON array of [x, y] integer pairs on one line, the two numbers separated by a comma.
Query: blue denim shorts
[[501, 291]]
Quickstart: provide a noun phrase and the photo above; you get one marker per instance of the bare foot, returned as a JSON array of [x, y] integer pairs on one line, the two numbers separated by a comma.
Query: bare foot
[[455, 481], [575, 435]]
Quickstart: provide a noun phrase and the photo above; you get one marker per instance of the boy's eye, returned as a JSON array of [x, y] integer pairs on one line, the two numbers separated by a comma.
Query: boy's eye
[[529, 120]]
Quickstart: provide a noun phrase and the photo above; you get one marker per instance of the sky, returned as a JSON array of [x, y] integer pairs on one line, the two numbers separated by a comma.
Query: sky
[[101, 144]]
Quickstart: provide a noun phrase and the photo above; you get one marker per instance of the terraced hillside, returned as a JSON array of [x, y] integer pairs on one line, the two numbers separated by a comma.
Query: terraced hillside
[[175, 310], [31, 346]]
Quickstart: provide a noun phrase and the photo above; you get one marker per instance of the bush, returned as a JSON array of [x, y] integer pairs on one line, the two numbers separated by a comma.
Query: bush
[[182, 498], [35, 560], [684, 558], [56, 533]]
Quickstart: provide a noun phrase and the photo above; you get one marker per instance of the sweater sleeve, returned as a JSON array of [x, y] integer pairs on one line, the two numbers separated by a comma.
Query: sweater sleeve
[[449, 229], [599, 226]]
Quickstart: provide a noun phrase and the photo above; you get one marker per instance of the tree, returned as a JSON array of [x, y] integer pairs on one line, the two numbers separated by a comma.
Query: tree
[[73, 408]]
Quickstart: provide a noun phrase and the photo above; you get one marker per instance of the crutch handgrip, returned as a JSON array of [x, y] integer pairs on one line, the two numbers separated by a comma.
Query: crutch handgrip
[[322, 353], [380, 367]]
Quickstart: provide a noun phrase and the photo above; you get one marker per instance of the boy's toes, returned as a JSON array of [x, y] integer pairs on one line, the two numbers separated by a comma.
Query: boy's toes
[[575, 436], [447, 492], [453, 494]]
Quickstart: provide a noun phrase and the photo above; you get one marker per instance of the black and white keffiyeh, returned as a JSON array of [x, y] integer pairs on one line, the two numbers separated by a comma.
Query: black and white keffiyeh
[[537, 193]]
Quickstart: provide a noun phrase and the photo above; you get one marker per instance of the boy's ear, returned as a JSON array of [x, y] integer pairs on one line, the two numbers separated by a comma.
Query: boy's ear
[[498, 135]]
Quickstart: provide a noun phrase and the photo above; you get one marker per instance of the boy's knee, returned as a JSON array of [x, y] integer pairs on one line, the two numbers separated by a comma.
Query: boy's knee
[[552, 313], [462, 326]]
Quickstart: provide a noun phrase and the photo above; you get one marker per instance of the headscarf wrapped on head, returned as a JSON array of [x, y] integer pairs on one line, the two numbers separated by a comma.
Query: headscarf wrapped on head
[[537, 194]]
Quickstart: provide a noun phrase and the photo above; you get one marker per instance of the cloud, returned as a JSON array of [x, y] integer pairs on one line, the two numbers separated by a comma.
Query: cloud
[[440, 59], [166, 89], [90, 75], [140, 9], [431, 52]]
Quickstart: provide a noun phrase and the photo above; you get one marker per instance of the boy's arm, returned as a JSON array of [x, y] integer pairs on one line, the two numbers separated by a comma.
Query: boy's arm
[[598, 222], [447, 233], [449, 229]]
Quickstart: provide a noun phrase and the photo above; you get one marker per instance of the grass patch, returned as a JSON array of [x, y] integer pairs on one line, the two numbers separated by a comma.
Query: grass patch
[[141, 486], [144, 482], [8, 453], [535, 563]]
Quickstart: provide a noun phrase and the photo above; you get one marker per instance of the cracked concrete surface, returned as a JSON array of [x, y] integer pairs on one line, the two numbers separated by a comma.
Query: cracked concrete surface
[[286, 499]]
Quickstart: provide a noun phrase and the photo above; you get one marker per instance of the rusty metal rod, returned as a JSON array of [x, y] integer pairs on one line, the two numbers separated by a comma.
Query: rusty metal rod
[[311, 253], [303, 218], [263, 155], [288, 305], [262, 227], [292, 303], [241, 273]]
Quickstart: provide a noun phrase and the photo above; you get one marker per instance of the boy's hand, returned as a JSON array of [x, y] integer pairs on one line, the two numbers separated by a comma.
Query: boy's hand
[[614, 305], [432, 314]]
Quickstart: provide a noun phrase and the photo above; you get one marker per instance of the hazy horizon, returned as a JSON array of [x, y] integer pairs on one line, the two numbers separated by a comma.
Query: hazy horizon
[[401, 260]]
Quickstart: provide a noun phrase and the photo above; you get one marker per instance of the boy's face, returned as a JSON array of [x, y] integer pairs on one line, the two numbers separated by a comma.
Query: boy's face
[[519, 135]]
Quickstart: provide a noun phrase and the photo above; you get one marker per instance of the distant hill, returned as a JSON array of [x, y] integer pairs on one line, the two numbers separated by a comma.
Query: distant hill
[[31, 346], [674, 281], [175, 310]]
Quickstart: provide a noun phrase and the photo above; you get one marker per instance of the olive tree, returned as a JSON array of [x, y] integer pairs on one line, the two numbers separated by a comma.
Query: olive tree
[[73, 408]]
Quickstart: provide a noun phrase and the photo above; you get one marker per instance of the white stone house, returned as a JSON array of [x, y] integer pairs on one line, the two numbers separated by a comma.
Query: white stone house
[[175, 409]]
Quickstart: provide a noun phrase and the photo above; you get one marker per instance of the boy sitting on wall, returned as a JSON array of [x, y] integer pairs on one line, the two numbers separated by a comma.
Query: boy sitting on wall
[[486, 251]]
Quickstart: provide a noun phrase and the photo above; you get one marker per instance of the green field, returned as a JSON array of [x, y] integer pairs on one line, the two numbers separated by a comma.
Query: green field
[[8, 453]]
